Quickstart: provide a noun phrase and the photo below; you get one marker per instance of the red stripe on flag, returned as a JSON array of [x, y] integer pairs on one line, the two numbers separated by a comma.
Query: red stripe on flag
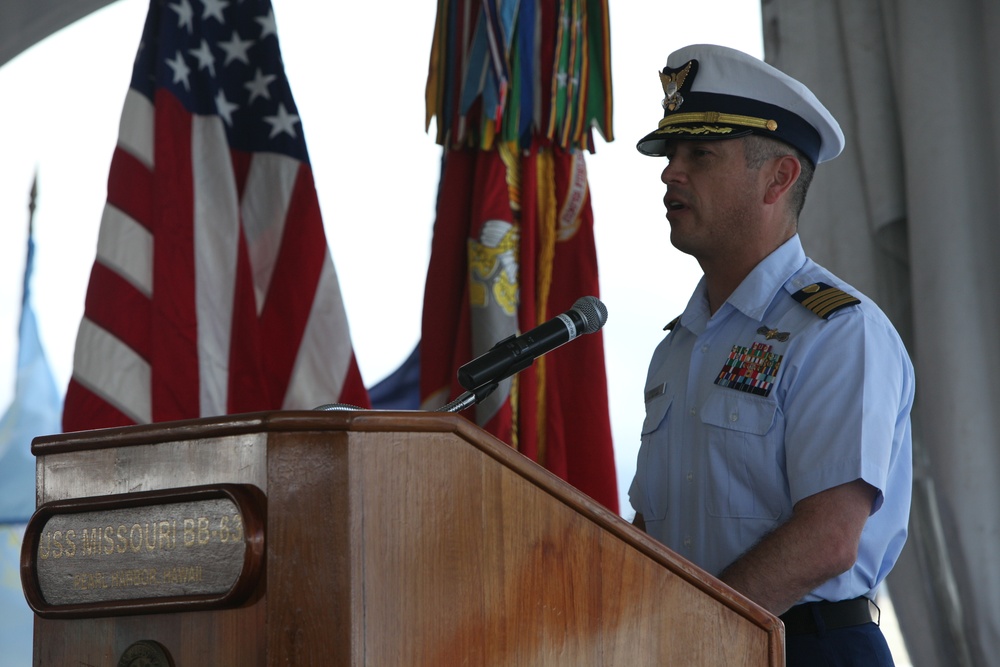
[[293, 286], [241, 167], [174, 327], [130, 183], [354, 391], [108, 296], [83, 409], [247, 391]]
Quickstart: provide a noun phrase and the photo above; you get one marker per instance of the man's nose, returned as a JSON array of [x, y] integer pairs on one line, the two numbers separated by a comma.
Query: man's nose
[[671, 173]]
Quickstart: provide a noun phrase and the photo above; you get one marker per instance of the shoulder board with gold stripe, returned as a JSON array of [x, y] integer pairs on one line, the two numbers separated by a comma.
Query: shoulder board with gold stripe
[[824, 299], [672, 323]]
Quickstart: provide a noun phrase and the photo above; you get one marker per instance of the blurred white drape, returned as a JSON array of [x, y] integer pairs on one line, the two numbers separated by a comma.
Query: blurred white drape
[[910, 214], [24, 22]]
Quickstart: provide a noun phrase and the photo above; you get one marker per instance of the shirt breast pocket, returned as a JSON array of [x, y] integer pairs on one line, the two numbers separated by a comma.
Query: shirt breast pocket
[[744, 456], [652, 463]]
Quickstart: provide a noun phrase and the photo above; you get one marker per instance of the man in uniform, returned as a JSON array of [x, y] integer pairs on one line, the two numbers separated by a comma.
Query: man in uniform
[[776, 446]]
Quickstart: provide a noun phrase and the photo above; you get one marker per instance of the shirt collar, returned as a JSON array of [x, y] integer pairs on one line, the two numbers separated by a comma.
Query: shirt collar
[[757, 291]]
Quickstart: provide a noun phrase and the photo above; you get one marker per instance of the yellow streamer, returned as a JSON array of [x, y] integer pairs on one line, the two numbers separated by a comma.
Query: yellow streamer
[[547, 220]]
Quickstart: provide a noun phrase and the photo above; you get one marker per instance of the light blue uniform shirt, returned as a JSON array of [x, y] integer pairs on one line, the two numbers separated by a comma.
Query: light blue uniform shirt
[[764, 403]]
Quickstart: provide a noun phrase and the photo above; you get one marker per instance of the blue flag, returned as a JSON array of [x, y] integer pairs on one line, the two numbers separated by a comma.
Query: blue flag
[[16, 619], [401, 389], [35, 410]]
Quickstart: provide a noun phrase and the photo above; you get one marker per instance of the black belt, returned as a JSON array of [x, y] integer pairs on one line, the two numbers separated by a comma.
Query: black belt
[[811, 617]]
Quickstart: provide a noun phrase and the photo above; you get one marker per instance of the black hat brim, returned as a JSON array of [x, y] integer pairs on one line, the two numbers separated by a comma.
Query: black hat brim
[[655, 143]]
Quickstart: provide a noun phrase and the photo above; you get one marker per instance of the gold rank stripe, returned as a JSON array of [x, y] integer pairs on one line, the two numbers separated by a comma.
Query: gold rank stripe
[[717, 117], [823, 299], [824, 304]]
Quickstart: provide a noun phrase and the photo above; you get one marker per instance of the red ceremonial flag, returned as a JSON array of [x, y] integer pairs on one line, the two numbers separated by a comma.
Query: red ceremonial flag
[[213, 291], [516, 95]]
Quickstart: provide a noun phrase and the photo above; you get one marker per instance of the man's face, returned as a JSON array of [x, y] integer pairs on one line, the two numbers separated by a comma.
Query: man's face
[[712, 197]]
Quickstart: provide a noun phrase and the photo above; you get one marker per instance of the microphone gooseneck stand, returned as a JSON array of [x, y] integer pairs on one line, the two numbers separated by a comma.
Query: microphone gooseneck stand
[[514, 353], [469, 398]]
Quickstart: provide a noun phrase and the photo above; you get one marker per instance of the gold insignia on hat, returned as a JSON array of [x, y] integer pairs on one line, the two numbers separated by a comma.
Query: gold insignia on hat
[[716, 117], [672, 84], [703, 129]]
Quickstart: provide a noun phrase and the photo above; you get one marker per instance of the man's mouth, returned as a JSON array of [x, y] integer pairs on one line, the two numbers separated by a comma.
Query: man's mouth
[[674, 203]]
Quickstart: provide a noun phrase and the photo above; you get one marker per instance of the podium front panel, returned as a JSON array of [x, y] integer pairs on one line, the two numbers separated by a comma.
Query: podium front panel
[[400, 539]]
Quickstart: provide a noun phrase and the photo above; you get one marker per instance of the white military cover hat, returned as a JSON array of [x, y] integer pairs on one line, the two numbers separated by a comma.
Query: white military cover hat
[[715, 92]]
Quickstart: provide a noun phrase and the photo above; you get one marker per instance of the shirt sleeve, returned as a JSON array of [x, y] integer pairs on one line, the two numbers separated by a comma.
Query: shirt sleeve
[[849, 385]]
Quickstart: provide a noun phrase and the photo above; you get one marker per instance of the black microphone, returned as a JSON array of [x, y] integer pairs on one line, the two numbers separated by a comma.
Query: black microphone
[[514, 354]]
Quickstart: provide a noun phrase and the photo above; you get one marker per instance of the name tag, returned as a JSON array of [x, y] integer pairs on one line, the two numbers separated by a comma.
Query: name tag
[[656, 391]]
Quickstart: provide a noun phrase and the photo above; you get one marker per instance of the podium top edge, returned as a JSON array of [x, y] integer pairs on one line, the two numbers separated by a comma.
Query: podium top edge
[[252, 422]]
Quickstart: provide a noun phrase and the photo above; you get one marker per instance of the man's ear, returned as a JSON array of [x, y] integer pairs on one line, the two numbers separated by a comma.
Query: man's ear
[[783, 174]]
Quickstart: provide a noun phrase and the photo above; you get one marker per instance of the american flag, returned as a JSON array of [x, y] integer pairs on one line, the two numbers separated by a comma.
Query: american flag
[[213, 291]]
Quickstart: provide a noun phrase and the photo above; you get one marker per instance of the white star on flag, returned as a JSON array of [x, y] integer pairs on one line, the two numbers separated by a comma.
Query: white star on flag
[[205, 58], [236, 49], [282, 122], [213, 9], [185, 15], [225, 108], [181, 70], [258, 86]]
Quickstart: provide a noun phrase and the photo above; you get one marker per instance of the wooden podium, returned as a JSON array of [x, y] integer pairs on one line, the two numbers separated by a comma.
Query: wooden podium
[[358, 538]]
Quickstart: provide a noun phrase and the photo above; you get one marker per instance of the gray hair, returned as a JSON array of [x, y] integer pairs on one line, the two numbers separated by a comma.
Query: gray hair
[[757, 150]]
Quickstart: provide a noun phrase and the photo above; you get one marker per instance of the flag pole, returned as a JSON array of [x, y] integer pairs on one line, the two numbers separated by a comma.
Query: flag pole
[[32, 198], [25, 288]]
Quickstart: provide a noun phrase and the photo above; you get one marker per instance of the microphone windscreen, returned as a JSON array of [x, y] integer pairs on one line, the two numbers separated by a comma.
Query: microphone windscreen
[[594, 313]]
